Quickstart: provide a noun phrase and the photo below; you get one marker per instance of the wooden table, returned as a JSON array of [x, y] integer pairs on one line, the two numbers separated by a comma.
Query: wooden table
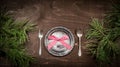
[[51, 13]]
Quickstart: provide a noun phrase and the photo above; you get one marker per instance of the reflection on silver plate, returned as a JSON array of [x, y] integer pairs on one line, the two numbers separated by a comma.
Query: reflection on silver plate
[[58, 48]]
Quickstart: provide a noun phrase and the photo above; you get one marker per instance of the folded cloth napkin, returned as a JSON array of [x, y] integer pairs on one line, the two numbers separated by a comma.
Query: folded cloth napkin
[[58, 37]]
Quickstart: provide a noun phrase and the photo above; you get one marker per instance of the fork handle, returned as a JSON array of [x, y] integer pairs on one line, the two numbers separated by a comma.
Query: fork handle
[[40, 49], [79, 47]]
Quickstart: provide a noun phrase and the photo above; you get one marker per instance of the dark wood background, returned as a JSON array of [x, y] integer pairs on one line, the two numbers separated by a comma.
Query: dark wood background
[[46, 14]]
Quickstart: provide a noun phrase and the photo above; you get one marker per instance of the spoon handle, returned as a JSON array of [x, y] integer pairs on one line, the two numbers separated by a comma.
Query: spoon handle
[[79, 48], [40, 51]]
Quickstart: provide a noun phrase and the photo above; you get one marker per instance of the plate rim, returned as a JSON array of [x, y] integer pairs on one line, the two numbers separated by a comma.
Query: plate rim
[[66, 29]]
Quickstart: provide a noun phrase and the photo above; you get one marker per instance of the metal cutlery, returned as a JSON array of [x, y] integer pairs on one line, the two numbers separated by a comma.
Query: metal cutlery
[[79, 34], [40, 35]]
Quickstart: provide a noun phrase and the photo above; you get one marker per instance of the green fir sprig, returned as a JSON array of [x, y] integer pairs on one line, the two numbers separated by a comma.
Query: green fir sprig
[[13, 36], [102, 37]]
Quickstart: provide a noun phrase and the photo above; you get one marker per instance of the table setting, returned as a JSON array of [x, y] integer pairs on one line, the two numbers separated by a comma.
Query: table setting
[[59, 41]]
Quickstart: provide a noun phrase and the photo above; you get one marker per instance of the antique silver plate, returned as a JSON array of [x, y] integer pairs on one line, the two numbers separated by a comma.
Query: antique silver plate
[[58, 48]]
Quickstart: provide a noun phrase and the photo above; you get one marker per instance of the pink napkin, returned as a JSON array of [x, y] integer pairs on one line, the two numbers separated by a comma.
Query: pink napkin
[[56, 39]]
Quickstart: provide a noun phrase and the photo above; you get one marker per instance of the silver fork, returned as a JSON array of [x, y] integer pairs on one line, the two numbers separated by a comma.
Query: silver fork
[[79, 34], [40, 35]]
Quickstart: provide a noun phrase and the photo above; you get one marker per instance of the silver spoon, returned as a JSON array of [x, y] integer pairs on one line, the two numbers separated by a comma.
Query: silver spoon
[[40, 35], [79, 34]]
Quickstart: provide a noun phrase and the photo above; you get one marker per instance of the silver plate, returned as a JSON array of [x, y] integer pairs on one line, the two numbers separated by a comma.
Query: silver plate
[[58, 49]]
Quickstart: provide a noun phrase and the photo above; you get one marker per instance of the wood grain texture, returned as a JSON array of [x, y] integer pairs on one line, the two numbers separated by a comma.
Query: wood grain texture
[[47, 14]]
